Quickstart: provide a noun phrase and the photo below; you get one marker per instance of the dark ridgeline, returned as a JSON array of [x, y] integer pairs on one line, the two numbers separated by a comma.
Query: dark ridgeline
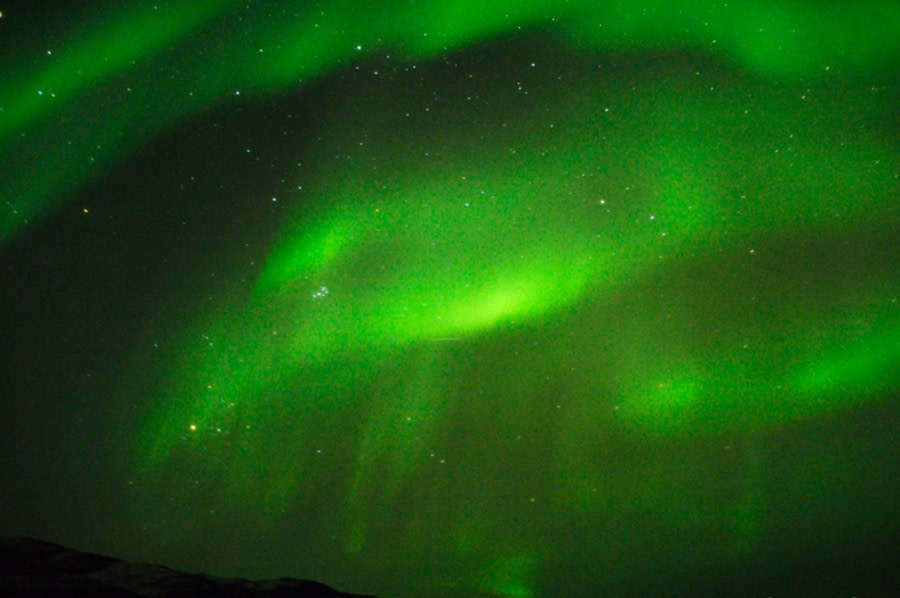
[[31, 567]]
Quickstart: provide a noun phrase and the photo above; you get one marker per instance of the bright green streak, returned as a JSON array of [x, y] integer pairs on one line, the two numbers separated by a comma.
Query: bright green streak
[[607, 242], [128, 77], [446, 262]]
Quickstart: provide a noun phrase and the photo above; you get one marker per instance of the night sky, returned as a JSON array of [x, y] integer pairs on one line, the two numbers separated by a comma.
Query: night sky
[[454, 297]]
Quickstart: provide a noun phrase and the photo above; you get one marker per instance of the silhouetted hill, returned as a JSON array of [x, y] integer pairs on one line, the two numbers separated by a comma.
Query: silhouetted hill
[[31, 567]]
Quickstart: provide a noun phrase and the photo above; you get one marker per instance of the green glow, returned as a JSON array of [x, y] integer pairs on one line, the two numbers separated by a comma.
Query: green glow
[[374, 298], [858, 367], [385, 270], [511, 577], [784, 40], [482, 321], [103, 96], [112, 46]]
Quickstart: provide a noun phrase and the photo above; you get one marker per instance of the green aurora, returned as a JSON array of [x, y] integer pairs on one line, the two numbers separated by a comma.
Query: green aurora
[[482, 319], [69, 114]]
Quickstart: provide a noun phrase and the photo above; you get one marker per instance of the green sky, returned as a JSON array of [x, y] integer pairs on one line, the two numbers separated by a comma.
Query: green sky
[[456, 298]]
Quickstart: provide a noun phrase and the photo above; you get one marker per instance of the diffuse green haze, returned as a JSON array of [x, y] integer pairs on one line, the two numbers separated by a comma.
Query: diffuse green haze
[[640, 267], [110, 45], [71, 109], [464, 330]]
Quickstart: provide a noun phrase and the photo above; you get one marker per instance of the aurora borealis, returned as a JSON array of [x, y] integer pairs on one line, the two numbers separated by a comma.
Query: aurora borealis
[[452, 298]]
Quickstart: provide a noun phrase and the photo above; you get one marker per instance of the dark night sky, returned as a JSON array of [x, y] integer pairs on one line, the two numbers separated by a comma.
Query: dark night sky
[[443, 299]]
